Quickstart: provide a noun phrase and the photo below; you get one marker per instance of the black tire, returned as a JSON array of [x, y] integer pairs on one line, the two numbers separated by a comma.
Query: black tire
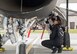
[[0, 41], [66, 40], [0, 45], [22, 49]]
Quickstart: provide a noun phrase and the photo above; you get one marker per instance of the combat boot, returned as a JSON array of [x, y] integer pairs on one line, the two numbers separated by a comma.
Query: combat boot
[[59, 50], [54, 50]]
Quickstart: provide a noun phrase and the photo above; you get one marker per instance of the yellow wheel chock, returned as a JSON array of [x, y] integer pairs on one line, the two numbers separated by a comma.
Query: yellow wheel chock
[[2, 49], [67, 49]]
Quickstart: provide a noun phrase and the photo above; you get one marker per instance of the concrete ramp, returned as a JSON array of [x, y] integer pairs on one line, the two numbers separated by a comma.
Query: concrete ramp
[[48, 51]]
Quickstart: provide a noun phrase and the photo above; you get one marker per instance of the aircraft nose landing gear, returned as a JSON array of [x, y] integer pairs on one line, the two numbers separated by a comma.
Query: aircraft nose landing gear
[[24, 26], [1, 49]]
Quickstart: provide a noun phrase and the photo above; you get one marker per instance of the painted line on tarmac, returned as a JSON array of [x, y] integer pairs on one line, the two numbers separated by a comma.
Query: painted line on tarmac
[[31, 45]]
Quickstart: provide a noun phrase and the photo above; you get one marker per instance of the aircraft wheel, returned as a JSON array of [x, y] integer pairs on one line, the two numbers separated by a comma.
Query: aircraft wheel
[[66, 40], [22, 49]]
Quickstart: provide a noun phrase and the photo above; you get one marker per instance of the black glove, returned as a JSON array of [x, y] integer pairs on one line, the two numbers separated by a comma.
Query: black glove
[[47, 22]]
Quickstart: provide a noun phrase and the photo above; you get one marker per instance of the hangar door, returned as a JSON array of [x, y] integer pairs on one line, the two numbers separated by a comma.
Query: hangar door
[[72, 25]]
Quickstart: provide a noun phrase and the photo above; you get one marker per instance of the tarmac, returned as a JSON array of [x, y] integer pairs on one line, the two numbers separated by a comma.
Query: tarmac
[[37, 48]]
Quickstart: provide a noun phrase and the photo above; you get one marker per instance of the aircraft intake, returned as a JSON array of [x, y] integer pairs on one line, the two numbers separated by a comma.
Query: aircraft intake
[[20, 7]]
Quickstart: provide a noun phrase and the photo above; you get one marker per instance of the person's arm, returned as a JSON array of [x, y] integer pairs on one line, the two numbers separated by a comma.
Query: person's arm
[[48, 23], [50, 27], [52, 36]]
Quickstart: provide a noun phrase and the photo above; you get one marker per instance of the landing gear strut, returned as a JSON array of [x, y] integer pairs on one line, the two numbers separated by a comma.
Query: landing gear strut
[[67, 46], [21, 48]]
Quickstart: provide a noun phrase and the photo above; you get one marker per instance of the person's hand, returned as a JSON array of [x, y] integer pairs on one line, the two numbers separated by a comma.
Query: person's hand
[[46, 21]]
